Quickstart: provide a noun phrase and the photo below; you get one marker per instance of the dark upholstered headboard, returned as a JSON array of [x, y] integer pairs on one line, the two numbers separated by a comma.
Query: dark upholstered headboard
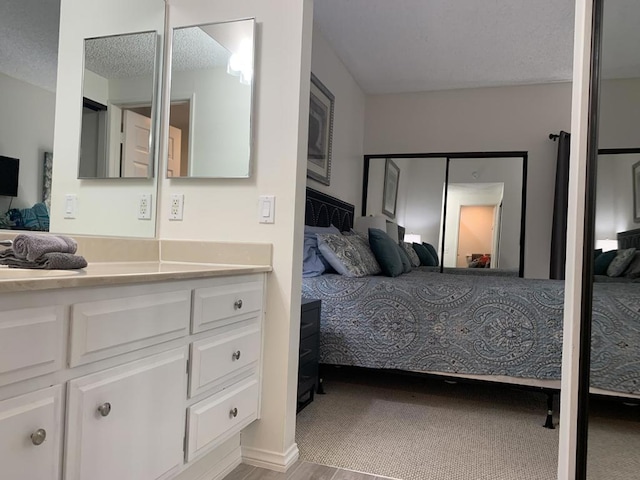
[[323, 210], [629, 239]]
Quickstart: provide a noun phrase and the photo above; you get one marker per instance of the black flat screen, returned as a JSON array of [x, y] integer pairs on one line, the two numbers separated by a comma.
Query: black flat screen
[[9, 168]]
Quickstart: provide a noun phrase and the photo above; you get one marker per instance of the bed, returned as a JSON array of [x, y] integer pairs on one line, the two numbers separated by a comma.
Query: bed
[[492, 328]]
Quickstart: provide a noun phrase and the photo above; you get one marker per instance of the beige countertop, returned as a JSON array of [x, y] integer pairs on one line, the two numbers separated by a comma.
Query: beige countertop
[[116, 273]]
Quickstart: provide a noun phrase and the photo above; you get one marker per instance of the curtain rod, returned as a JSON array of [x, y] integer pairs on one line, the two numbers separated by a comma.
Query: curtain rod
[[553, 136]]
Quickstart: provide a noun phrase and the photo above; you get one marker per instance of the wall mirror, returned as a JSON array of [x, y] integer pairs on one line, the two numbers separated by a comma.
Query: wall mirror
[[119, 106], [210, 126], [469, 206]]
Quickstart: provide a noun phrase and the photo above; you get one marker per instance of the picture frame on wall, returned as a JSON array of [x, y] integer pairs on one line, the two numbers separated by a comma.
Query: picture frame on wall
[[635, 169], [321, 113], [390, 190]]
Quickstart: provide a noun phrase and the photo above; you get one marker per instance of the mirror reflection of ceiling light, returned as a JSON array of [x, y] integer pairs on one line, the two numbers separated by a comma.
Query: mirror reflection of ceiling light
[[241, 62]]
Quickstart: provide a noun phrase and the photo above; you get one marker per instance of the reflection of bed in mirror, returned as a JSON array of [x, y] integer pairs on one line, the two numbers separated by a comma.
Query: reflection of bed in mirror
[[469, 205], [497, 329]]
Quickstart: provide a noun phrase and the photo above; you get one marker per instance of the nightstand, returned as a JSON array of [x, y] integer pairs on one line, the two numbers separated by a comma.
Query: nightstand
[[308, 378]]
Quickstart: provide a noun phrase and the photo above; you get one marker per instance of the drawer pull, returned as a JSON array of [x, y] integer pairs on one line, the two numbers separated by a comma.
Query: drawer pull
[[238, 304], [39, 436], [104, 409], [233, 413], [235, 356], [305, 352]]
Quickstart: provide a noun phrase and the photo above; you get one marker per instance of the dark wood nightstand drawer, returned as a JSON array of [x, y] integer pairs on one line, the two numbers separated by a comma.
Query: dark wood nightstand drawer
[[309, 350], [309, 323], [307, 377]]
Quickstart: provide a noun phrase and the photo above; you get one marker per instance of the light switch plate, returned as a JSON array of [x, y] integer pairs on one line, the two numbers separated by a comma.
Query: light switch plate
[[70, 205], [267, 209]]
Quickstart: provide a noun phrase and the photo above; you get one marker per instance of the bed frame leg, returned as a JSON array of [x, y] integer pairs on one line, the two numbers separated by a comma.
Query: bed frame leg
[[549, 421]]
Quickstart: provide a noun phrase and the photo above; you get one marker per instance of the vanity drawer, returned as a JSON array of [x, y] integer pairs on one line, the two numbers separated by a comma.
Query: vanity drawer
[[220, 358], [112, 327], [226, 303], [213, 420], [30, 342]]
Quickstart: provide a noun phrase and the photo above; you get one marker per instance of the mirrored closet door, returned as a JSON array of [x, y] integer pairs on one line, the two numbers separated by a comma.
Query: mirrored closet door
[[614, 405]]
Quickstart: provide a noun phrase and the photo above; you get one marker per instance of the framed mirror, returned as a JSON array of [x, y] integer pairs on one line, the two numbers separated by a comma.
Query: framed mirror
[[119, 106], [210, 124]]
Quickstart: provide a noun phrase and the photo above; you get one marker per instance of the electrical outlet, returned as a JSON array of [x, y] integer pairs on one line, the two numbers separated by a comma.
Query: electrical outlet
[[177, 206], [144, 206]]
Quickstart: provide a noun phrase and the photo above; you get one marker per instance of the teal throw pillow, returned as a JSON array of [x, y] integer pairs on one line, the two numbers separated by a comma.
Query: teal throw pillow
[[386, 252], [433, 252], [603, 261], [426, 259]]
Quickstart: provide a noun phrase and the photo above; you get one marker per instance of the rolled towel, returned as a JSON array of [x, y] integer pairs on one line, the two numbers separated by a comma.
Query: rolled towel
[[62, 261], [49, 261], [33, 247]]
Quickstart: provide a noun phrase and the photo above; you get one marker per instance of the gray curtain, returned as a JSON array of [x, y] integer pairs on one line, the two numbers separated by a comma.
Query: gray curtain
[[560, 205]]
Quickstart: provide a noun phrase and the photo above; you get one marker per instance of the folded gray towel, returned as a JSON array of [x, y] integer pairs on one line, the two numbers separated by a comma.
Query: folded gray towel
[[48, 261], [33, 247]]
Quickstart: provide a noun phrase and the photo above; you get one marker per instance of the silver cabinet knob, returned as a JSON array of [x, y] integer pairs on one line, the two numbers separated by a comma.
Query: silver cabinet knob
[[233, 413], [104, 409], [237, 305], [235, 356], [39, 436]]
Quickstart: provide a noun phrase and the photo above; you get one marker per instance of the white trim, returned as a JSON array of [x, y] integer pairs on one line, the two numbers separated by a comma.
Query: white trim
[[575, 239], [279, 462]]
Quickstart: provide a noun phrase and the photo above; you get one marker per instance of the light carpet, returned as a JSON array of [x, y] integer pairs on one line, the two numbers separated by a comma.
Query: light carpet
[[422, 429]]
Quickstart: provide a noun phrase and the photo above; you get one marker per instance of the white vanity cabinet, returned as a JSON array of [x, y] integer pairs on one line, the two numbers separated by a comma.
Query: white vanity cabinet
[[154, 375], [30, 433]]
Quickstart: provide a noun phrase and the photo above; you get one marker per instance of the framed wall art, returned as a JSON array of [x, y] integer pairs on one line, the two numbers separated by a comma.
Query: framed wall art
[[321, 108]]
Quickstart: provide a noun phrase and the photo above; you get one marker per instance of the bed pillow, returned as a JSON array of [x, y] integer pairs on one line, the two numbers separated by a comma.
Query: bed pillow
[[411, 253], [386, 252], [350, 256], [425, 257], [313, 263], [601, 263], [597, 252], [433, 252], [406, 261], [633, 270], [620, 262]]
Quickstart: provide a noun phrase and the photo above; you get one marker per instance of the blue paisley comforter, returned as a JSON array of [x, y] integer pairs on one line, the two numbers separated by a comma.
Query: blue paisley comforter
[[424, 321]]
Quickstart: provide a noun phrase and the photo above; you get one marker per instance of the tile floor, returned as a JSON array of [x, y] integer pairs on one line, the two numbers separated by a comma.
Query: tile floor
[[300, 471]]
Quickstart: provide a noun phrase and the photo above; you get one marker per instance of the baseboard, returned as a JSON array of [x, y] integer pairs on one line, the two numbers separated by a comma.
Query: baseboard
[[211, 468], [280, 462]]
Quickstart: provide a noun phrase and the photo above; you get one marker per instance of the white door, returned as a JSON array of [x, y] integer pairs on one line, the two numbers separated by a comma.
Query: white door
[[30, 433], [128, 422], [136, 142], [175, 152]]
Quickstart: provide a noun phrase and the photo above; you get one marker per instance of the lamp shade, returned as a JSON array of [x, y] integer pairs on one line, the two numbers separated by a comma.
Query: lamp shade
[[607, 244], [412, 238]]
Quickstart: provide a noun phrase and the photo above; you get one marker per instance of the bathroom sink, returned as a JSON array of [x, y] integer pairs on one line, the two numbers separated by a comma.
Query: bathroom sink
[[20, 274]]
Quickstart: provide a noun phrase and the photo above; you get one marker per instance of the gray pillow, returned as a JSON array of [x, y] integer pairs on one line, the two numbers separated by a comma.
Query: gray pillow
[[620, 263], [413, 256], [633, 270], [313, 264], [387, 252], [350, 256]]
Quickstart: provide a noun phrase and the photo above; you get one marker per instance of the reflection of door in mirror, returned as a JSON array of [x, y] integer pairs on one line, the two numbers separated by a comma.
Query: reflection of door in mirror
[[119, 85], [178, 161], [476, 235]]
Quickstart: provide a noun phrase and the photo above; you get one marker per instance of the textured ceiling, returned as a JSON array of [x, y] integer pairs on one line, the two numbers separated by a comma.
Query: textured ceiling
[[29, 40], [194, 49], [417, 45], [121, 56]]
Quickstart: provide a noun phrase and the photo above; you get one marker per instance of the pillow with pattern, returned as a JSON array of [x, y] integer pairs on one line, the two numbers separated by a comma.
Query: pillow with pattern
[[413, 256], [620, 262], [350, 256]]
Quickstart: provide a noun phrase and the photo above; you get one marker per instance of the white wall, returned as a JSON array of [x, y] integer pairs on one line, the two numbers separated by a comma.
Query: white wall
[[375, 191], [614, 195], [620, 113], [227, 210], [26, 132], [486, 119], [95, 87], [221, 132], [348, 127], [105, 207]]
